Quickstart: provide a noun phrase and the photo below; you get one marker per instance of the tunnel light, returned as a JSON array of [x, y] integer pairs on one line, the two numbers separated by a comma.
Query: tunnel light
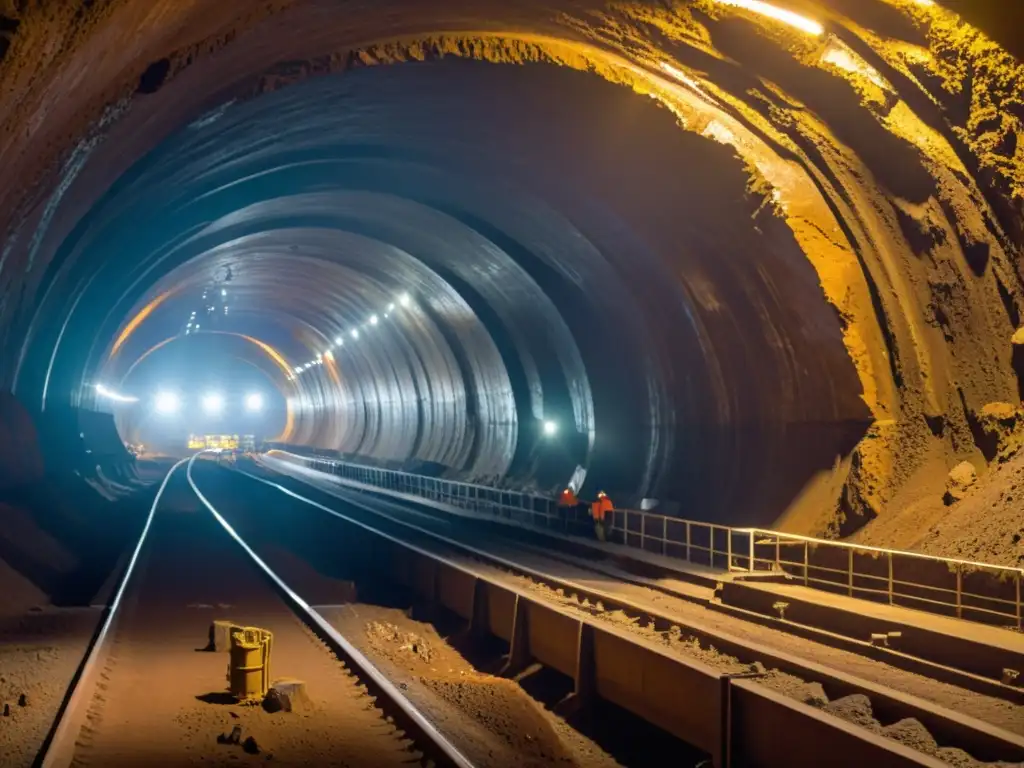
[[404, 300], [373, 320], [298, 369], [213, 403], [391, 307], [109, 394], [802, 23], [308, 366], [254, 402], [197, 326], [338, 341], [319, 358], [355, 334], [550, 428], [223, 292], [167, 403]]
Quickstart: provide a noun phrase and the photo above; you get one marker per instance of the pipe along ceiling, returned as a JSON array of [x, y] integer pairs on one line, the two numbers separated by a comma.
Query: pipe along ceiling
[[761, 260]]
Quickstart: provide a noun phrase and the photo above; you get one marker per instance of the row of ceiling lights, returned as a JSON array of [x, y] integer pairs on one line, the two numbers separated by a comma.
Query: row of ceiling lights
[[404, 301], [193, 323]]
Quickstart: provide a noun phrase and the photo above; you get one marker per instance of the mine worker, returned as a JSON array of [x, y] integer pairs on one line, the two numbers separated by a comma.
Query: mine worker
[[567, 505], [601, 510]]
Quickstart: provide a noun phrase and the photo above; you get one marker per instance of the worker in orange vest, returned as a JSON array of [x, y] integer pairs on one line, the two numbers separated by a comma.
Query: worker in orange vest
[[567, 505], [601, 510]]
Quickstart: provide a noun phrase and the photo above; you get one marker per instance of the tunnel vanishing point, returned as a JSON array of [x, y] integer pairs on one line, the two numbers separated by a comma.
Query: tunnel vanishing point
[[760, 261]]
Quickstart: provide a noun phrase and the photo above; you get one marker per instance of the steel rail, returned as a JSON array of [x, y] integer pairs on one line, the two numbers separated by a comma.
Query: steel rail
[[424, 734], [58, 746], [934, 716]]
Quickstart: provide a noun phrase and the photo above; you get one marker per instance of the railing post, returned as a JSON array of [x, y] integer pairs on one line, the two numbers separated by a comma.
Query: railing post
[[728, 549], [711, 546], [807, 563], [687, 541], [891, 584], [959, 593], [751, 562], [1020, 615], [643, 530], [849, 572], [778, 553]]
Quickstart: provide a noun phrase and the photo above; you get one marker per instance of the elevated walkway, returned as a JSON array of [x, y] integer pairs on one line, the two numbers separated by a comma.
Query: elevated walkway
[[976, 655]]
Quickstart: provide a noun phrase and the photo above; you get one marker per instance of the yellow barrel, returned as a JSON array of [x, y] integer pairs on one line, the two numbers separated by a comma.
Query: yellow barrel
[[249, 663]]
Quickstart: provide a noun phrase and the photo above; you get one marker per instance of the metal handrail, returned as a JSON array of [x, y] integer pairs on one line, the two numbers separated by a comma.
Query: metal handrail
[[724, 547]]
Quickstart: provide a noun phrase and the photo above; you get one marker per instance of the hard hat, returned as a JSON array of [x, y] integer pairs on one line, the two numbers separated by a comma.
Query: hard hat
[[601, 493]]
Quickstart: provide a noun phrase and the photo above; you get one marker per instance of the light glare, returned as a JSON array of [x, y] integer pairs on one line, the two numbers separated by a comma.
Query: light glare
[[102, 391], [254, 402], [355, 334], [802, 23], [213, 403], [167, 402], [373, 320], [550, 428], [404, 299]]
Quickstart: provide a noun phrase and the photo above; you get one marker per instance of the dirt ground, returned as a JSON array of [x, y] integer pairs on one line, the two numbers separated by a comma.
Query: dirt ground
[[986, 525], [39, 653], [491, 718]]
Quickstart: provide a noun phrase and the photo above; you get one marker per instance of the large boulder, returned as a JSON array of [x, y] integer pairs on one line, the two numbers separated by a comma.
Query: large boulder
[[959, 481]]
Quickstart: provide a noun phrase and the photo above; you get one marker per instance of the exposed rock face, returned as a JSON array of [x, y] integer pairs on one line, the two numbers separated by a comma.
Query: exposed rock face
[[961, 478], [1003, 428], [834, 276]]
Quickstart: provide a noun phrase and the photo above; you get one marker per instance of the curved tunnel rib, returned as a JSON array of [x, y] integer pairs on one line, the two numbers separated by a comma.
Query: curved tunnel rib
[[780, 295]]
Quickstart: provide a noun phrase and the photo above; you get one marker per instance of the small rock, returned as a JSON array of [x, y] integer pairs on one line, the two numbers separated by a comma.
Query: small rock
[[250, 746], [23, 700], [7, 710], [814, 695], [959, 481], [231, 738], [286, 695], [757, 668], [404, 686]]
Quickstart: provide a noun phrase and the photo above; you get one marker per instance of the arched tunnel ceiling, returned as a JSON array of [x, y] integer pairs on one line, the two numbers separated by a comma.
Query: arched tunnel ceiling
[[780, 286]]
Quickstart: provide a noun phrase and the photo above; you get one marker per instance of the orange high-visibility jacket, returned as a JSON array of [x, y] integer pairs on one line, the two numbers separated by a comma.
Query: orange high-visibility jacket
[[568, 499], [601, 507]]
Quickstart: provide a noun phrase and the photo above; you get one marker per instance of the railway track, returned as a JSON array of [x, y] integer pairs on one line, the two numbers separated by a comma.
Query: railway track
[[149, 692], [583, 596]]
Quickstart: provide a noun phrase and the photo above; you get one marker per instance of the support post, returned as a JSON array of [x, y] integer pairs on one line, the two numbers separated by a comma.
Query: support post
[[849, 572], [1020, 615], [959, 593], [585, 678], [479, 622], [807, 564], [891, 584], [687, 541], [750, 562], [519, 647]]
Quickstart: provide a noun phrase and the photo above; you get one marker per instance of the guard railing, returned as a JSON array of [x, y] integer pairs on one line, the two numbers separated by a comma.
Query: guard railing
[[966, 589]]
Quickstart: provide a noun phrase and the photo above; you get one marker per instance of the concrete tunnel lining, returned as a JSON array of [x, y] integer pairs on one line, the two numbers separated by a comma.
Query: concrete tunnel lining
[[848, 297]]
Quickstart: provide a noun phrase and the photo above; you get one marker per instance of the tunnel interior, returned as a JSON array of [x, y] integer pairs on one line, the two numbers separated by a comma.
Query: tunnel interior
[[762, 269]]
